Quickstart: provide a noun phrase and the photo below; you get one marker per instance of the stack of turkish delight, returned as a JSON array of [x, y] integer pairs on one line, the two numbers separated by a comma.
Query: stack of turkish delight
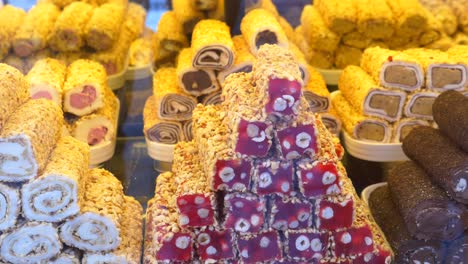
[[423, 209], [81, 90], [393, 91], [261, 181], [55, 209], [70, 30], [334, 34]]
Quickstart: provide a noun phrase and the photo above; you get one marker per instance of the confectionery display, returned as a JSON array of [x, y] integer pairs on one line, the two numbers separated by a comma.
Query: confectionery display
[[56, 209], [233, 112], [260, 182], [69, 31], [394, 91], [334, 34], [422, 211]]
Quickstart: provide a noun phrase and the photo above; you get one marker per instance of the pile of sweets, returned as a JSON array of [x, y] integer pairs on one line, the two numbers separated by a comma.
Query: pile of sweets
[[70, 30], [423, 209], [82, 92], [334, 34], [54, 208], [261, 182], [202, 69], [393, 91]]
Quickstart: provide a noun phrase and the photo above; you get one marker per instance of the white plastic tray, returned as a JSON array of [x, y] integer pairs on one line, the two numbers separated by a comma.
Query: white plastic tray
[[368, 190], [117, 81], [158, 151], [331, 76], [373, 151], [137, 73], [104, 152]]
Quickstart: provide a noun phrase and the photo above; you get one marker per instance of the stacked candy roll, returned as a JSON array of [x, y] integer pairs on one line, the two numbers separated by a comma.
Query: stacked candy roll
[[261, 181], [52, 202], [394, 91], [423, 209]]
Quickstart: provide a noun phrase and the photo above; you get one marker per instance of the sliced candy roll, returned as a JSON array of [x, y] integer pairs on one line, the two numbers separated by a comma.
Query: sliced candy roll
[[10, 206], [274, 176], [140, 53], [98, 225], [217, 245], [243, 60], [260, 27], [442, 71], [374, 19], [426, 209], [129, 250], [446, 15], [356, 39], [99, 127], [368, 98], [214, 50], [104, 25], [28, 138], [84, 87], [389, 219], [307, 245], [165, 241], [171, 35], [15, 62], [393, 69], [260, 247], [346, 56], [316, 92], [192, 80], [460, 12], [317, 178], [195, 200], [244, 213], [155, 129], [433, 32], [15, 91], [221, 166], [67, 256], [360, 126], [252, 131], [449, 110], [36, 56], [419, 105], [187, 14], [290, 213], [172, 102], [410, 17], [426, 145], [31, 242], [58, 192], [404, 126], [11, 19], [187, 130], [278, 81], [331, 122], [211, 99], [69, 31], [32, 35], [316, 33], [336, 212], [46, 79], [339, 16]]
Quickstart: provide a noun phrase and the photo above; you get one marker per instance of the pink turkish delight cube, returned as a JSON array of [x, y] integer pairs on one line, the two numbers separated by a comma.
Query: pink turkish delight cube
[[233, 175], [284, 97], [333, 213], [274, 177], [260, 247], [318, 178], [176, 247], [254, 138], [380, 257], [196, 210], [298, 141], [307, 245], [353, 241], [216, 245], [245, 213], [290, 213]]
